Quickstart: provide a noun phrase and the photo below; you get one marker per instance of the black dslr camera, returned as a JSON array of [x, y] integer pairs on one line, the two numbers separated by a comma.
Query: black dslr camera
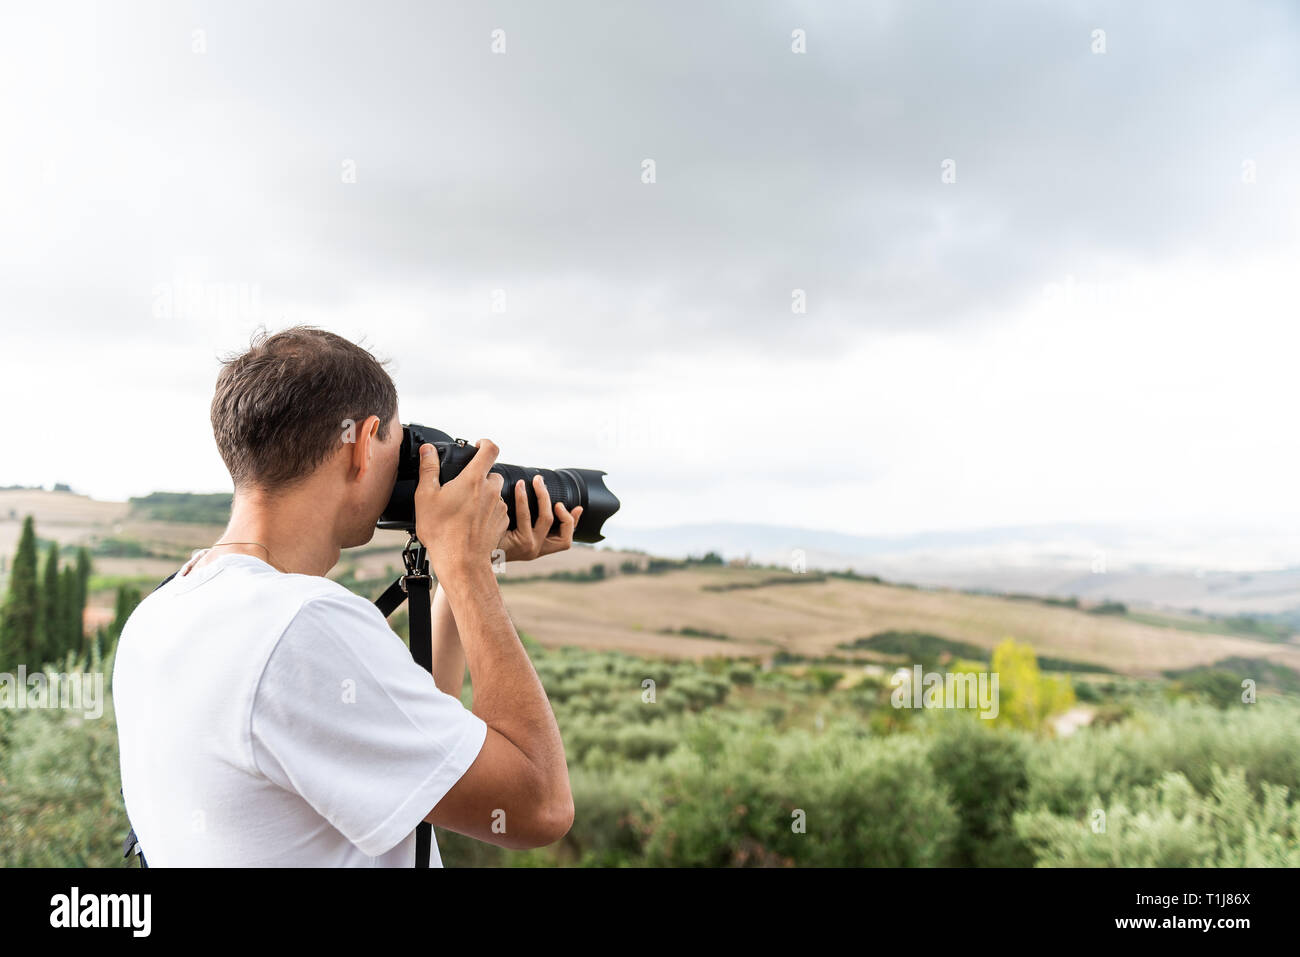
[[573, 487]]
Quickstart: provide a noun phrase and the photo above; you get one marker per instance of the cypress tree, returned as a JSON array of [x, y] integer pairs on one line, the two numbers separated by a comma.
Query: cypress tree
[[127, 599], [69, 611], [83, 586], [19, 616], [50, 633], [95, 646]]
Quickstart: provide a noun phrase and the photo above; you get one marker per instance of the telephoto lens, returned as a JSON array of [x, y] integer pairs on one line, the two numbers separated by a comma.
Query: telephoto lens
[[573, 487]]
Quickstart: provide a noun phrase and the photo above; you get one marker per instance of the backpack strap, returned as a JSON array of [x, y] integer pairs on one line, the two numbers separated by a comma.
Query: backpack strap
[[132, 844]]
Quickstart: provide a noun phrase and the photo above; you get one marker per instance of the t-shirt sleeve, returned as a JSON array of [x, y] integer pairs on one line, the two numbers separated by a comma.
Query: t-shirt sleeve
[[344, 717]]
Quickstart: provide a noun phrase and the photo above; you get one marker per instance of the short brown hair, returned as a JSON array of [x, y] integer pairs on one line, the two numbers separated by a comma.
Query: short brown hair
[[280, 408]]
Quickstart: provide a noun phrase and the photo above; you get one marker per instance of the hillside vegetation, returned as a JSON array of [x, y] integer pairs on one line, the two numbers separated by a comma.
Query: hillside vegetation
[[719, 763], [738, 716]]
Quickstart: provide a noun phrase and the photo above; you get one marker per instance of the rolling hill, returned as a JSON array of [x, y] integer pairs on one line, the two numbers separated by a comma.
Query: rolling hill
[[694, 610]]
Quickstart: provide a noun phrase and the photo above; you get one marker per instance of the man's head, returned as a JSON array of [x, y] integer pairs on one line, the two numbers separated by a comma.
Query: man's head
[[306, 409]]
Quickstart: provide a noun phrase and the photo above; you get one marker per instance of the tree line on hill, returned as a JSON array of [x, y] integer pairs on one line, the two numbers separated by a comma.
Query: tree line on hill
[[42, 617]]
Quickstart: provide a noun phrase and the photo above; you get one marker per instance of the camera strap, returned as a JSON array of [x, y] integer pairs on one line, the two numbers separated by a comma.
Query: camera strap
[[415, 586]]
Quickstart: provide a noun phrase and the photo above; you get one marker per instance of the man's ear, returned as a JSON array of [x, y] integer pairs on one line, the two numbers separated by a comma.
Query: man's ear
[[363, 449]]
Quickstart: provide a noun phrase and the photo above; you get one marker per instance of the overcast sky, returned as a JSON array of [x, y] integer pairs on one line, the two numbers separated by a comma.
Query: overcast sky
[[1095, 319]]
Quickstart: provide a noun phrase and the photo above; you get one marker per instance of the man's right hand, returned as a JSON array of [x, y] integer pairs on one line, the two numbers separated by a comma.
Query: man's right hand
[[460, 523], [521, 772]]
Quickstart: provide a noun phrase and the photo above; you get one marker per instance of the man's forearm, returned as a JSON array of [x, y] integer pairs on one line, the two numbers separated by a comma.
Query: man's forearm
[[448, 655], [508, 695]]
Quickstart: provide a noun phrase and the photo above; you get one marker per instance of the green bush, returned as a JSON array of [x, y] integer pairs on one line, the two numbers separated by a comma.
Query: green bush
[[735, 798], [1109, 608], [741, 676], [722, 765], [59, 789], [612, 806], [1220, 688], [698, 691], [1171, 824], [1085, 692], [824, 679], [1262, 739], [985, 771], [213, 509]]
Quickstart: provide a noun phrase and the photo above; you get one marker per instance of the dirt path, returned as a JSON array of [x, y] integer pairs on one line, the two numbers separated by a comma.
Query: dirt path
[[1070, 722]]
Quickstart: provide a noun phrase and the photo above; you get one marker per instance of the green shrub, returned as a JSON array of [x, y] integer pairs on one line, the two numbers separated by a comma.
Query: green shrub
[[612, 807], [706, 775], [735, 799], [824, 679], [1262, 739], [985, 770], [1170, 824], [1085, 692], [1109, 608], [59, 799], [741, 676], [1220, 688]]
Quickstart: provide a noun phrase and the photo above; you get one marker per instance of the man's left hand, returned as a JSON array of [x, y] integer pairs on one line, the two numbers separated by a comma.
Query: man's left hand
[[529, 539]]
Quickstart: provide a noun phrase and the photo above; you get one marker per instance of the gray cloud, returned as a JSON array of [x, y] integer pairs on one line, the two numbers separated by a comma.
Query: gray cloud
[[775, 171], [135, 165]]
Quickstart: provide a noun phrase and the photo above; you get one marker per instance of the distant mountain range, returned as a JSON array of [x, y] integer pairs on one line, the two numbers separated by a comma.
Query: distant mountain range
[[777, 538]]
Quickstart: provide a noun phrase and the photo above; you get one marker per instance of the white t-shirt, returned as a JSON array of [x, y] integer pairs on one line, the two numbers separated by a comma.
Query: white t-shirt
[[274, 720]]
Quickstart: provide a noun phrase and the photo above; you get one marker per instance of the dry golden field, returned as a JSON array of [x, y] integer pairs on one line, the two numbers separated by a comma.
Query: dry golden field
[[812, 618], [645, 613]]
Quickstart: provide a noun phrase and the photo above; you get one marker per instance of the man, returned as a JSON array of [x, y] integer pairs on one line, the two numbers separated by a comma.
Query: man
[[269, 717]]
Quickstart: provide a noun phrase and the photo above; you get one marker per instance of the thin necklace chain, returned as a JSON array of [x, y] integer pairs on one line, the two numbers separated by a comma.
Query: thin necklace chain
[[269, 559]]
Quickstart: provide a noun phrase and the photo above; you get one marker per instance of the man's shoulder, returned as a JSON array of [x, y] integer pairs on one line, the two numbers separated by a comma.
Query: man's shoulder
[[324, 602], [330, 631], [317, 587], [279, 599]]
